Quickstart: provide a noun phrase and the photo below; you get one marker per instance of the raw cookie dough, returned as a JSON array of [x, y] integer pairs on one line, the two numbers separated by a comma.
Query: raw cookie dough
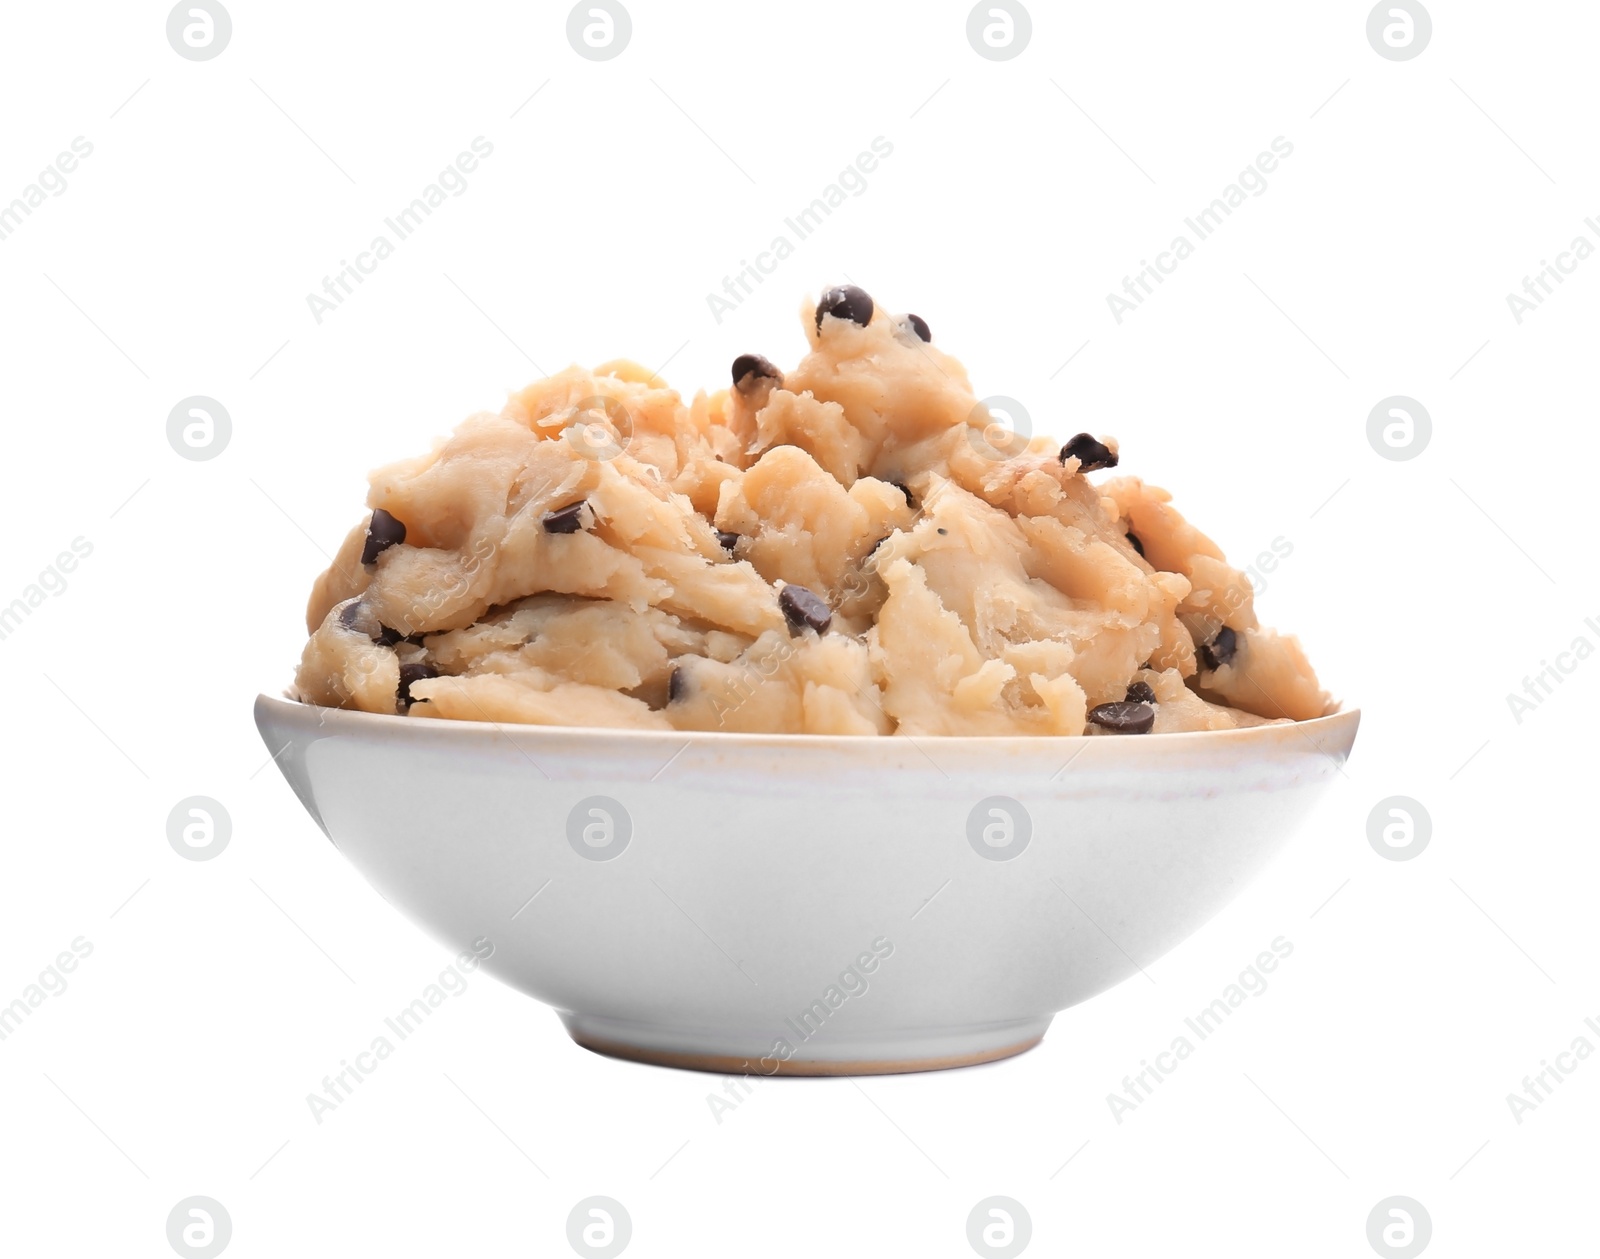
[[851, 547]]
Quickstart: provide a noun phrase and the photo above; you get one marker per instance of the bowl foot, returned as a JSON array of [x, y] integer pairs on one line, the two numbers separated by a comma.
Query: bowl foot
[[889, 1056]]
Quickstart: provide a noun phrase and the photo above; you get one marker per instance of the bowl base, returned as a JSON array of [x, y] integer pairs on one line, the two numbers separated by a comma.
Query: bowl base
[[887, 1058]]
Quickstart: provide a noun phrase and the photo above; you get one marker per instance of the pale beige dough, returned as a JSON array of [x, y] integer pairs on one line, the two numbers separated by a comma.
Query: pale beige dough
[[972, 587]]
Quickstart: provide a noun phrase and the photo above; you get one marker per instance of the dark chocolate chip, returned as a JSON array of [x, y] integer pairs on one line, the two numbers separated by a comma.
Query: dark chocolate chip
[[804, 609], [1141, 693], [355, 617], [676, 684], [919, 325], [1219, 650], [728, 540], [846, 302], [749, 369], [1091, 455], [410, 673], [1122, 717], [568, 519], [383, 531], [901, 486], [1133, 541], [943, 531]]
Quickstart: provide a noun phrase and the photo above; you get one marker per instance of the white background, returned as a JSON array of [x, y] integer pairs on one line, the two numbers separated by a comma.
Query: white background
[[177, 262]]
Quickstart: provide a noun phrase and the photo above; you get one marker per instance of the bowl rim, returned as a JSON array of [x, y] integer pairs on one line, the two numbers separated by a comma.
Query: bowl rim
[[1338, 722]]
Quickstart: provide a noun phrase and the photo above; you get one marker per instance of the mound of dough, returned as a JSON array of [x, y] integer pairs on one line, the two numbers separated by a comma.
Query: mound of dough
[[852, 547]]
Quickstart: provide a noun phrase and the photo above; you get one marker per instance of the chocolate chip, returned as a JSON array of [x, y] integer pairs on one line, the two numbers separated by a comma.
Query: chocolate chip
[[728, 540], [1122, 717], [804, 609], [1219, 650], [383, 531], [1141, 693], [901, 486], [1133, 541], [356, 617], [943, 531], [1091, 455], [919, 325], [410, 673], [846, 302], [676, 683], [568, 519], [749, 369]]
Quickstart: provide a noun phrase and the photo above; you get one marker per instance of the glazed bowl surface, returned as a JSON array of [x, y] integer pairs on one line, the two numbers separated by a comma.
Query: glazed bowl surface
[[802, 904]]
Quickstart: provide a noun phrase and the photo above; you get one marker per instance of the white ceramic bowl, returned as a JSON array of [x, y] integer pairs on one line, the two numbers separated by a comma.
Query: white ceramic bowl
[[802, 904]]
